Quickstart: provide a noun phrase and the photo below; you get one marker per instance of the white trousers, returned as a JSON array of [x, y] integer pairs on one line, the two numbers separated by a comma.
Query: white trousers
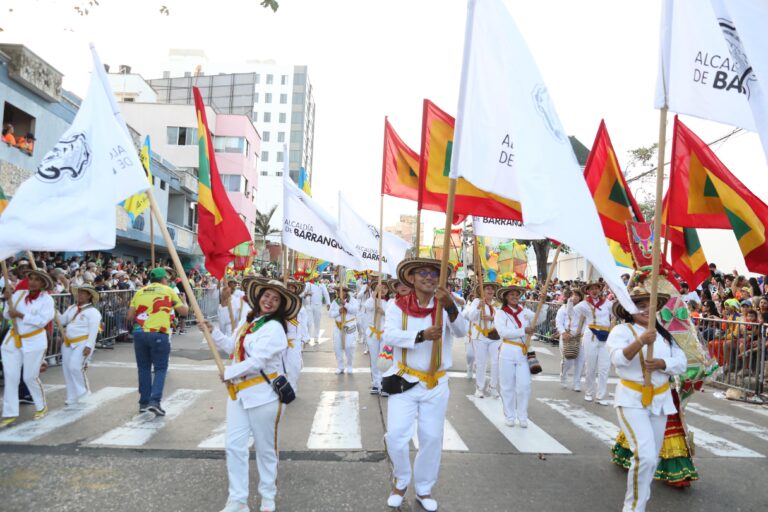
[[469, 348], [293, 364], [645, 434], [426, 408], [566, 365], [262, 422], [515, 383], [349, 348], [598, 364], [316, 311], [374, 347], [13, 361], [486, 351], [74, 365]]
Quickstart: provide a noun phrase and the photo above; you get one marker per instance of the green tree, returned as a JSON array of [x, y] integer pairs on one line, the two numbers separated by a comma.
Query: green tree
[[262, 228]]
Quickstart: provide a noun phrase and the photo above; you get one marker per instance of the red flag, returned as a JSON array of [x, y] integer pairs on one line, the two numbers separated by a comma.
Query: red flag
[[400, 168]]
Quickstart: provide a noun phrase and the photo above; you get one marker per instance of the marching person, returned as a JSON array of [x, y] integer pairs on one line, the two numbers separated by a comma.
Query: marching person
[[257, 349], [233, 308], [298, 335], [595, 314], [569, 332], [643, 411], [485, 340], [81, 322], [513, 323], [417, 382], [374, 332], [364, 316], [345, 329], [25, 344], [150, 312], [318, 296]]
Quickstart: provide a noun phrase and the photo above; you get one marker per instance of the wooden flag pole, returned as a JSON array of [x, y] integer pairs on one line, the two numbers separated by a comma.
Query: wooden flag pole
[[479, 273], [11, 306], [151, 240], [418, 233], [343, 313], [543, 293], [376, 314], [285, 264], [224, 285]]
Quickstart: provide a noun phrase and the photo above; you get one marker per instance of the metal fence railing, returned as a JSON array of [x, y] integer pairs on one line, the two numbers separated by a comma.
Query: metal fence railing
[[546, 330]]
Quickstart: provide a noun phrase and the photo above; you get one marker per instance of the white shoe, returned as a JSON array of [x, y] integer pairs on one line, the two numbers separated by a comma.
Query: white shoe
[[428, 504], [235, 506], [494, 393], [587, 398], [349, 370], [470, 376], [395, 500], [383, 394], [479, 394], [339, 371], [563, 385], [509, 423], [577, 389], [267, 505], [72, 401], [600, 401], [524, 423]]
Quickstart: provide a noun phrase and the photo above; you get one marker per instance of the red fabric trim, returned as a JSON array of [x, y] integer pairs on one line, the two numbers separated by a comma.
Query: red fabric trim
[[410, 305], [514, 314]]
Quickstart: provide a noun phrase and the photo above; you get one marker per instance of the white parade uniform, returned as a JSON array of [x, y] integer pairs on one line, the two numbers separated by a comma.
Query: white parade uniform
[[27, 351], [374, 336], [564, 321], [514, 373], [318, 295], [240, 310], [596, 356], [486, 350], [256, 410], [344, 345], [297, 336], [82, 327], [418, 404], [364, 316], [643, 426]]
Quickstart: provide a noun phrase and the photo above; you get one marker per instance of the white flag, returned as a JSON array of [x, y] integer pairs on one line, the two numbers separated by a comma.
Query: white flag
[[502, 228], [69, 203], [509, 139], [365, 239], [310, 230]]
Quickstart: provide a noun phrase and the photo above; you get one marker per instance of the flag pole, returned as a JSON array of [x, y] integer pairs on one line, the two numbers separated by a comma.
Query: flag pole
[[151, 240], [543, 293], [343, 313], [376, 314], [11, 306], [418, 232], [285, 264], [479, 273], [56, 318]]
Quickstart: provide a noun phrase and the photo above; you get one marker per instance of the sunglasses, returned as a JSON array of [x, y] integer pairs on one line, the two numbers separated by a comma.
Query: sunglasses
[[434, 274]]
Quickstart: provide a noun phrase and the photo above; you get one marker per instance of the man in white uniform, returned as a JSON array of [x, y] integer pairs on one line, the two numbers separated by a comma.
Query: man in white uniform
[[485, 340], [318, 295], [375, 331], [595, 312], [344, 329], [81, 322], [568, 329]]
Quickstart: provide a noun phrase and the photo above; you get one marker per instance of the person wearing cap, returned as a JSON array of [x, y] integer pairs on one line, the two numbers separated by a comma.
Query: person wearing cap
[[595, 312], [513, 324], [643, 411], [568, 329], [298, 335], [23, 348], [253, 409], [485, 340], [318, 296], [375, 331], [150, 312], [344, 329], [420, 372], [81, 322]]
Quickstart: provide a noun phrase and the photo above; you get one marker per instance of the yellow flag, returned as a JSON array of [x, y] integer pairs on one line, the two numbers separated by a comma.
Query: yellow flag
[[137, 203]]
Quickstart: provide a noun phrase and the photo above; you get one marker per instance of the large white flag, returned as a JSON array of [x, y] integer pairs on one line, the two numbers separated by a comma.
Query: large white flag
[[69, 203], [509, 139], [365, 239], [502, 228], [310, 230]]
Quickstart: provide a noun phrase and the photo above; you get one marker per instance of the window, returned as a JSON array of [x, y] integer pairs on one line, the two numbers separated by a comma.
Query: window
[[253, 196], [23, 125], [255, 117], [298, 97], [265, 156], [269, 79], [296, 136], [265, 136], [283, 99], [181, 136], [280, 156], [264, 173], [295, 156], [280, 136], [297, 117], [233, 183], [299, 78], [223, 144], [283, 79], [162, 185], [256, 97], [279, 173], [282, 117], [128, 100], [267, 97], [267, 117], [257, 78]]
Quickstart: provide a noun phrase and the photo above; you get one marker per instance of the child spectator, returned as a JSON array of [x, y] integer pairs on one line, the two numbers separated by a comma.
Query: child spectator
[[8, 137]]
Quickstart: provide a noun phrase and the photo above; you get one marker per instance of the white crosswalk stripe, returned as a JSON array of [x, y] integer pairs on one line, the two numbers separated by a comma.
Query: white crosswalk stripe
[[731, 421], [48, 388], [593, 424], [452, 441], [137, 431], [757, 409], [336, 425], [720, 446]]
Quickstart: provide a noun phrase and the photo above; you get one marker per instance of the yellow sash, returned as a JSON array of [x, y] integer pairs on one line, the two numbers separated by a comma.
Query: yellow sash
[[517, 344], [70, 341], [239, 386], [429, 380], [638, 386]]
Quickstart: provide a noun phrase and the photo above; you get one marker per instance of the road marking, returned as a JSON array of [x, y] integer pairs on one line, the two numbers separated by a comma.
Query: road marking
[[31, 430], [719, 446], [48, 388], [218, 439], [527, 440], [315, 369], [174, 366], [137, 432], [731, 421], [593, 424], [541, 350], [451, 439], [337, 422], [757, 409]]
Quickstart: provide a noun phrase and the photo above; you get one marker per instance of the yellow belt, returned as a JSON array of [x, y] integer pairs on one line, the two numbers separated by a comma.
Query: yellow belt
[[18, 337], [70, 341], [429, 380], [517, 344], [638, 386], [236, 387], [484, 332], [290, 343], [376, 332]]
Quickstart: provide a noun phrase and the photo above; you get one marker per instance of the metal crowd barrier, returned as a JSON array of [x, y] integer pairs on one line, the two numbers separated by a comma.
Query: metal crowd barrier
[[546, 330]]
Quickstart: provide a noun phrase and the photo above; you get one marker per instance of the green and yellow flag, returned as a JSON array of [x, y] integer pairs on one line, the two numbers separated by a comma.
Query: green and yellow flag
[[3, 201], [137, 203]]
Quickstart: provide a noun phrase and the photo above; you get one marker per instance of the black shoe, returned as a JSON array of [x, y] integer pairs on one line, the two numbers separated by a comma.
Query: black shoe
[[26, 400], [156, 409], [142, 408]]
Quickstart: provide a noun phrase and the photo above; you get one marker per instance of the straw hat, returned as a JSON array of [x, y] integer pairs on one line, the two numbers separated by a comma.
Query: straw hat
[[297, 287], [292, 301], [253, 279], [495, 286], [640, 290], [408, 265], [392, 285], [502, 291], [47, 279], [90, 289], [586, 287]]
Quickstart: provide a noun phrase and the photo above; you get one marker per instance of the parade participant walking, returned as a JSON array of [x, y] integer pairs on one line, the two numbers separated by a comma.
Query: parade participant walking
[[298, 335], [81, 322], [24, 346], [595, 314], [257, 350], [345, 329], [233, 308], [318, 296], [570, 338], [485, 340], [375, 331], [150, 312], [417, 382], [643, 411], [513, 322]]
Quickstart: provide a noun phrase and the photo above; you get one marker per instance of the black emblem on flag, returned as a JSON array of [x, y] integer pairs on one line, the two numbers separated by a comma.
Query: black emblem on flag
[[71, 155]]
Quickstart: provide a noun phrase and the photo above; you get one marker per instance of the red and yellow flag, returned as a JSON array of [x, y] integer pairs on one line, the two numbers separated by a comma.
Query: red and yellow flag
[[400, 168], [219, 226], [435, 167], [703, 193], [688, 258]]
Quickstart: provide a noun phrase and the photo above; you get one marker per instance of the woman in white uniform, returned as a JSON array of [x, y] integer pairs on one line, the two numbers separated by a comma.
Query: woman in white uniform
[[81, 322], [481, 313], [257, 349], [570, 333], [344, 320], [643, 411]]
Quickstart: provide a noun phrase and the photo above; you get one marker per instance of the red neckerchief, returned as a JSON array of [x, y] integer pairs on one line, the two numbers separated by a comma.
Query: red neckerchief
[[31, 296], [239, 353], [599, 303], [410, 305], [489, 307], [514, 313]]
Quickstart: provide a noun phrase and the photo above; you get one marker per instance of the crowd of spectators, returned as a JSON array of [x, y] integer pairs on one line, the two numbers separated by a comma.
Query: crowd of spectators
[[25, 143]]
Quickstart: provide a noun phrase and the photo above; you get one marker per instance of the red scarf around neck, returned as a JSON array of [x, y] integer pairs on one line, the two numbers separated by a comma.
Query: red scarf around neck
[[598, 304], [490, 306], [514, 314], [32, 296], [410, 305]]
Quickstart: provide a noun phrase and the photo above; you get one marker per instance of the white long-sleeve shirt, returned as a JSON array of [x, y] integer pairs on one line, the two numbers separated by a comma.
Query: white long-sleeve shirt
[[317, 293], [565, 320], [83, 321], [478, 325], [370, 310], [352, 307], [240, 310], [418, 355], [631, 370], [510, 330], [37, 315], [592, 315]]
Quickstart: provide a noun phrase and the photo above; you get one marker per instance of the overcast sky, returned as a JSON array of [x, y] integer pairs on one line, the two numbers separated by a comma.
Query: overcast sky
[[368, 59]]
